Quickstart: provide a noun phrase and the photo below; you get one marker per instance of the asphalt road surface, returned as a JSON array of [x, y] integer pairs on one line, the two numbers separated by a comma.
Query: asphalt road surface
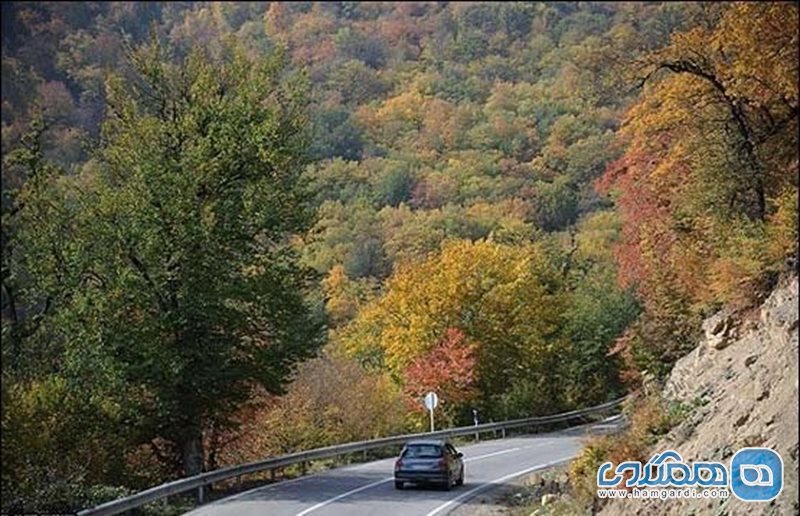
[[368, 489]]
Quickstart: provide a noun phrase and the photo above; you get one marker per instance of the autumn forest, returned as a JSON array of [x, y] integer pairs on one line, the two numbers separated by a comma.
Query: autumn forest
[[233, 230]]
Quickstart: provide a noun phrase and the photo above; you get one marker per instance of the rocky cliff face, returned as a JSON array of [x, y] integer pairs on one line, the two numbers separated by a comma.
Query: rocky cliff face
[[742, 382]]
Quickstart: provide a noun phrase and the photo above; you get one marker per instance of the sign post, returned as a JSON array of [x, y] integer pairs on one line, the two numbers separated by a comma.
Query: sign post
[[431, 400]]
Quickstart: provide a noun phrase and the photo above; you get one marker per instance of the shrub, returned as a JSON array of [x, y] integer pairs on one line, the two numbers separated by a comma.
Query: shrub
[[649, 417]]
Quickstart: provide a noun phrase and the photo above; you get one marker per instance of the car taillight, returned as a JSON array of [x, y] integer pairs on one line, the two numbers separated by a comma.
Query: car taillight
[[442, 463], [398, 464]]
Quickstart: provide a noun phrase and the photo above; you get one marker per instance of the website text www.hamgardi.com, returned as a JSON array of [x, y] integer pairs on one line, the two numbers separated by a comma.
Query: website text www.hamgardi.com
[[663, 494]]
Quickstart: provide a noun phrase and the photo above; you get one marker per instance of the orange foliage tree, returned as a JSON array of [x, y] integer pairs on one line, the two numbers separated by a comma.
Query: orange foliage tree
[[448, 369], [703, 185]]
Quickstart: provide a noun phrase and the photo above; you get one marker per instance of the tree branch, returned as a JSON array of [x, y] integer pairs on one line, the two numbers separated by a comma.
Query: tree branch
[[142, 270], [748, 145]]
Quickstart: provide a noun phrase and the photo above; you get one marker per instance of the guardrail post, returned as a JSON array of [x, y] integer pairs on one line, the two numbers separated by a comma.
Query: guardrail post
[[303, 468], [504, 433], [201, 499], [272, 475]]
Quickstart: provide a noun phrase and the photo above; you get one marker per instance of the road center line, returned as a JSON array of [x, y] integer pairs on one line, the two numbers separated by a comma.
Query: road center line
[[471, 492], [200, 510], [344, 495], [388, 479], [501, 452]]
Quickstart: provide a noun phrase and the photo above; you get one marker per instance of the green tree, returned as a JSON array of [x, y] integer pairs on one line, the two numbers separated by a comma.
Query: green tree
[[65, 438], [598, 313], [196, 198], [182, 224]]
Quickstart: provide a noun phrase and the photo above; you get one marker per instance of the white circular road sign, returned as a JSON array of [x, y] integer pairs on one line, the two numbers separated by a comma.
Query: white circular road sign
[[431, 400]]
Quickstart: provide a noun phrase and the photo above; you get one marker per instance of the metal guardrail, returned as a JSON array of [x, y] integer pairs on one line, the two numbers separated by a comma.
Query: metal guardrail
[[200, 481]]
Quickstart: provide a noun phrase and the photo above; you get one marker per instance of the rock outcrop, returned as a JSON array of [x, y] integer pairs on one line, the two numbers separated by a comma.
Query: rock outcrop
[[742, 382]]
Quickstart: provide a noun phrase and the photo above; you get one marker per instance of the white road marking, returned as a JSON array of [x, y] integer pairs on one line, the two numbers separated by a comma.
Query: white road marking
[[280, 483], [501, 452], [344, 495], [387, 479], [490, 484]]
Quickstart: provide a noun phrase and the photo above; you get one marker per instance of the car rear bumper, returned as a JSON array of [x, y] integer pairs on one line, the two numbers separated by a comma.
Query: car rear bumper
[[438, 477]]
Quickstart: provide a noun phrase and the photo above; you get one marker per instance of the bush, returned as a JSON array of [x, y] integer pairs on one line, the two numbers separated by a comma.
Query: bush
[[649, 417], [583, 470], [63, 450], [51, 455], [332, 400]]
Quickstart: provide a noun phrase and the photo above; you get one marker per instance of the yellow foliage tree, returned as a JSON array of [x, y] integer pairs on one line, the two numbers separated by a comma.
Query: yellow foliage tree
[[505, 299]]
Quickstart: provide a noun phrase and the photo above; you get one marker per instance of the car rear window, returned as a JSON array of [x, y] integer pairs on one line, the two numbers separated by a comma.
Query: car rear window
[[423, 451]]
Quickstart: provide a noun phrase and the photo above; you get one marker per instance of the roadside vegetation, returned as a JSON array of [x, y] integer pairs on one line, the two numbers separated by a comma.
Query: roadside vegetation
[[236, 230]]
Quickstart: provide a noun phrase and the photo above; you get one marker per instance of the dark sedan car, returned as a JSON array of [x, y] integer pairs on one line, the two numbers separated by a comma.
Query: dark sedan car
[[429, 462]]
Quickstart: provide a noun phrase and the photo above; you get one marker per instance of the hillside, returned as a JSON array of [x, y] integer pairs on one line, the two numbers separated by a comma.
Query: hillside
[[737, 388], [742, 382], [233, 230]]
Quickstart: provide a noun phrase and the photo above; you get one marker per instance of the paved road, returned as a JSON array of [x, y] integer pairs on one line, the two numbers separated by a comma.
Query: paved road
[[368, 489]]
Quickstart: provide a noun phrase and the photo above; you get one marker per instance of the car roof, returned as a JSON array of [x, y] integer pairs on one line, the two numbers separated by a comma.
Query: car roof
[[419, 442]]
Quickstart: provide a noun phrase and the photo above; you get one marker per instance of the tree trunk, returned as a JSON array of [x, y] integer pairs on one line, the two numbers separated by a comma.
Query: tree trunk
[[213, 447], [192, 453]]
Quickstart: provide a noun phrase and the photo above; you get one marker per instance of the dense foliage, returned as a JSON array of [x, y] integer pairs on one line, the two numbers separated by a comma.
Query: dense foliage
[[164, 266], [707, 187], [503, 202]]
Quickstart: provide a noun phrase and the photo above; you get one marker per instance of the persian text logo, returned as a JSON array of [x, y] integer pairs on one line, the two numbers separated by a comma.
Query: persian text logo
[[756, 474], [665, 469]]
